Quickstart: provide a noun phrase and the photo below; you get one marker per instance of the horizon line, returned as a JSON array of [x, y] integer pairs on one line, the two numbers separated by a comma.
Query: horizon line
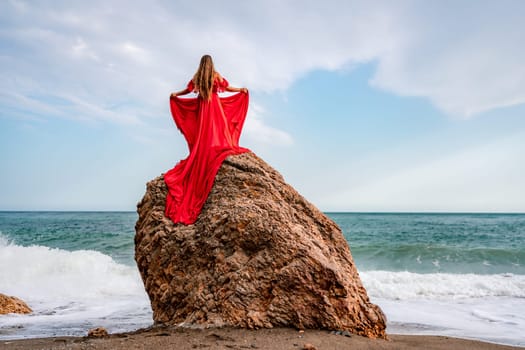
[[325, 212]]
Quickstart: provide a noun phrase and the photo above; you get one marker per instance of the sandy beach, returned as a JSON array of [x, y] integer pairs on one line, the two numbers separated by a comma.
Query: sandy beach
[[229, 338]]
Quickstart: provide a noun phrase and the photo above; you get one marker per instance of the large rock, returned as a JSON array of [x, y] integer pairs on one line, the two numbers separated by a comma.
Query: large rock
[[259, 255], [13, 305]]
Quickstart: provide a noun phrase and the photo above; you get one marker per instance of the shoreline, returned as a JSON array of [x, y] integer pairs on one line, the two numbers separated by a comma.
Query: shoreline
[[162, 337]]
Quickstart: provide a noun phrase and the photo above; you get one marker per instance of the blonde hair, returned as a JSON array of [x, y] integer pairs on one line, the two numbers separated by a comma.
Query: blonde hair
[[203, 78]]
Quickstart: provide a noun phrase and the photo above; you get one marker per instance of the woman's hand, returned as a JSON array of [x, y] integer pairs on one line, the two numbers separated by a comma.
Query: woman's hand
[[244, 90], [179, 93]]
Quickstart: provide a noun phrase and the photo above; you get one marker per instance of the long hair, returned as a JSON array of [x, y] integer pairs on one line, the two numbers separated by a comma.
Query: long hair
[[203, 78]]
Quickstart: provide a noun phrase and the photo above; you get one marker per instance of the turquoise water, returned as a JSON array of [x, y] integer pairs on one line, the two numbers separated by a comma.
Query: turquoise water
[[456, 243], [460, 275], [110, 233], [425, 243]]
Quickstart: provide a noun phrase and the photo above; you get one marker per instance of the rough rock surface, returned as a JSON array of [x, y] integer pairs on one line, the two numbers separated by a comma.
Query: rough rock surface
[[98, 332], [259, 255], [13, 305]]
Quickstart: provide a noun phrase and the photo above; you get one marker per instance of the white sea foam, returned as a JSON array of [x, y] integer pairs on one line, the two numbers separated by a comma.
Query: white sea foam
[[69, 291], [441, 286], [486, 307], [493, 319], [3, 240]]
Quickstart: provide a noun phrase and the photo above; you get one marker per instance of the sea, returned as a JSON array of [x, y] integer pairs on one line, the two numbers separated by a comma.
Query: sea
[[457, 275]]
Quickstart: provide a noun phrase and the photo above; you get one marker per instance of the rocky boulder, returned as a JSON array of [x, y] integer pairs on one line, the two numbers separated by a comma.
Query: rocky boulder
[[13, 305], [259, 255]]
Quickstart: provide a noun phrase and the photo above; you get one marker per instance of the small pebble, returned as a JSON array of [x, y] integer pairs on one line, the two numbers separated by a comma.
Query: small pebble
[[99, 332], [345, 333], [309, 346]]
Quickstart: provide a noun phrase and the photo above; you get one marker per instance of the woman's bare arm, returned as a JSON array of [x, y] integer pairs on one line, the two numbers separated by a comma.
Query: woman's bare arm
[[235, 89], [181, 92], [217, 75]]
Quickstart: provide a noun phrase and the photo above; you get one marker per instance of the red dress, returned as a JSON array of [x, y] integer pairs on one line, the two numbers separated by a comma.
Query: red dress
[[212, 129]]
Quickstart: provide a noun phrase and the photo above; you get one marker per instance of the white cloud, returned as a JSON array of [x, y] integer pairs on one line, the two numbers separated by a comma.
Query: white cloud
[[257, 131], [465, 58], [135, 52], [81, 49]]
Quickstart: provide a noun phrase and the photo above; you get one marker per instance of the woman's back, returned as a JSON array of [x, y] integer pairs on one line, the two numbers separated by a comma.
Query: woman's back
[[212, 126], [219, 85]]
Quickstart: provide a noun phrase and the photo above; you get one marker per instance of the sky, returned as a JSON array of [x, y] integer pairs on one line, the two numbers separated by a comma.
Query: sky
[[362, 106]]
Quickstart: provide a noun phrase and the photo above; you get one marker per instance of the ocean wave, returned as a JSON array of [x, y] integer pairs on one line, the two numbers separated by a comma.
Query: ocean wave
[[69, 291], [427, 258], [42, 273], [441, 286], [4, 240]]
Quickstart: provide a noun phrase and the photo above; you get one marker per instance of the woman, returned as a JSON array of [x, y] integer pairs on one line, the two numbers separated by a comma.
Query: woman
[[212, 126]]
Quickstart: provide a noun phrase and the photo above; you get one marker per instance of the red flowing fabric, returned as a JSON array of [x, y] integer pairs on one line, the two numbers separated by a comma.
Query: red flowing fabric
[[212, 129]]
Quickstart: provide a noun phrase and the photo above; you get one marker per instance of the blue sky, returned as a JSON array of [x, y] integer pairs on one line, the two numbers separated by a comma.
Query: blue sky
[[362, 106]]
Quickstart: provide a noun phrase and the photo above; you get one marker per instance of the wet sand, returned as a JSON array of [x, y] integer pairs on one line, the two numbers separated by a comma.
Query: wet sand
[[229, 338]]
